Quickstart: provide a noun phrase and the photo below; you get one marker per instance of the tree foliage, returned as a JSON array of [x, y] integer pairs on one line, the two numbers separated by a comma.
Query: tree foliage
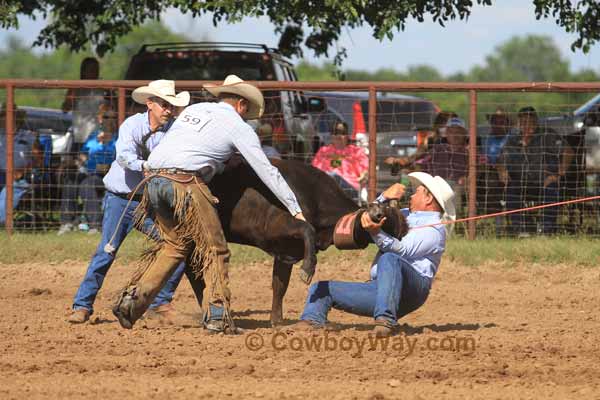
[[527, 58], [100, 23], [19, 61]]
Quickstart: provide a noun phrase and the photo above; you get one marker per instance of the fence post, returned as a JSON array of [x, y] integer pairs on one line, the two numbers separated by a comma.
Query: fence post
[[472, 184], [372, 143], [10, 133], [121, 105]]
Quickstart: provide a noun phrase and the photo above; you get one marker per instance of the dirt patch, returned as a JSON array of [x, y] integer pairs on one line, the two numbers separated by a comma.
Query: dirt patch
[[493, 332]]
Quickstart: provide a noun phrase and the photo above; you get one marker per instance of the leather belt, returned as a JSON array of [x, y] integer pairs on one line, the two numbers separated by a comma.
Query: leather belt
[[129, 196], [181, 175]]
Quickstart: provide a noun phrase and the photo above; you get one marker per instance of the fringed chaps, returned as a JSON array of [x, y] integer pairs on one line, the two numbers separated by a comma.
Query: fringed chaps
[[196, 237]]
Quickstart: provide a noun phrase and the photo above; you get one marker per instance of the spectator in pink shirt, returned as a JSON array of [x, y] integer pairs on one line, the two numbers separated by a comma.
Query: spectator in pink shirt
[[347, 163]]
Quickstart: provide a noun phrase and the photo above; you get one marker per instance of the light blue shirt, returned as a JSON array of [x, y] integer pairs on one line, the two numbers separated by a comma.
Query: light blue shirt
[[421, 248], [126, 171], [206, 135]]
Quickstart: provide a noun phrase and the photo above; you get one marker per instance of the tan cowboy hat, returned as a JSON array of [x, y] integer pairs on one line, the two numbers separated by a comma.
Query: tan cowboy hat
[[234, 85], [163, 89], [439, 188]]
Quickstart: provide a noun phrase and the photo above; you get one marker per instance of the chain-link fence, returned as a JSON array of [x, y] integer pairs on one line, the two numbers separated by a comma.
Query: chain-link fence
[[503, 146]]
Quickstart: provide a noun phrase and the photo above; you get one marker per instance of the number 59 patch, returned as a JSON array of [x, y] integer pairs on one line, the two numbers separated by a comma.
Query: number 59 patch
[[197, 122]]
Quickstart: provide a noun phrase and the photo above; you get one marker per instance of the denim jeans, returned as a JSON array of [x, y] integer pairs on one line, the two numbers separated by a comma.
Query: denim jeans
[[517, 194], [101, 261], [398, 290]]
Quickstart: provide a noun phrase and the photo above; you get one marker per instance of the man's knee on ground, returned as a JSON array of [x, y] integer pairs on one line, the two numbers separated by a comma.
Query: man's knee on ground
[[318, 290]]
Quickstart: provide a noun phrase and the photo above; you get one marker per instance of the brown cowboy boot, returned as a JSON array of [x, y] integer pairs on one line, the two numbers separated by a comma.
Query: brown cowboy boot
[[79, 316], [165, 313]]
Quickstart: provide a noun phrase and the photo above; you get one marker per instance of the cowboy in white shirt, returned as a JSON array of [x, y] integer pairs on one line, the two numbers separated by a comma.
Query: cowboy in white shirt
[[403, 270], [202, 139]]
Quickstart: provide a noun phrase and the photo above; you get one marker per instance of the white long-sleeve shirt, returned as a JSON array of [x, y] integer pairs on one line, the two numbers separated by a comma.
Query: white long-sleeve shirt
[[207, 135]]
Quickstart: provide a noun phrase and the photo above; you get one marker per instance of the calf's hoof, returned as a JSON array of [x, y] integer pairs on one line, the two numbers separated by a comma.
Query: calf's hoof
[[125, 308], [306, 276]]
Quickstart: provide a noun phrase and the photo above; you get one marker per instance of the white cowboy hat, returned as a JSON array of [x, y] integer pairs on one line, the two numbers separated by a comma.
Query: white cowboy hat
[[234, 85], [439, 188], [163, 89]]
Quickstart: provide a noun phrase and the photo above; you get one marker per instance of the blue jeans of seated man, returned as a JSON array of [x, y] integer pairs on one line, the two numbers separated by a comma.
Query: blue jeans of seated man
[[113, 207], [162, 201], [398, 290]]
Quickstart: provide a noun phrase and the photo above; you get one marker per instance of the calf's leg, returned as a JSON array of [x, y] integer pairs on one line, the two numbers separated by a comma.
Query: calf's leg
[[281, 280]]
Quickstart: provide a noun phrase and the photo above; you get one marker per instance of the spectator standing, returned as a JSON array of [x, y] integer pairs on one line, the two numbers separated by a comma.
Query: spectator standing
[[491, 195], [346, 163], [85, 102], [531, 167], [449, 158]]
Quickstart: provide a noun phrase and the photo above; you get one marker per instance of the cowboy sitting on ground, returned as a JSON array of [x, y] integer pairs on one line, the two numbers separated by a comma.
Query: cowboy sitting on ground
[[202, 139], [403, 270], [138, 135]]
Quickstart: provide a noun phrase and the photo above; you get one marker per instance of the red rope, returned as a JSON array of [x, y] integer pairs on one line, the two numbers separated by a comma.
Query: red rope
[[560, 203]]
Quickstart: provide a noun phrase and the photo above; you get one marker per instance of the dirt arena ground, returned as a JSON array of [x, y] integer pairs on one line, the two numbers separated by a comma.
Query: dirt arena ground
[[487, 332]]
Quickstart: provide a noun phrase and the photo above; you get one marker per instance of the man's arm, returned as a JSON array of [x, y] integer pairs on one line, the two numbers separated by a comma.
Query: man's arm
[[416, 244], [566, 158], [126, 147], [248, 145]]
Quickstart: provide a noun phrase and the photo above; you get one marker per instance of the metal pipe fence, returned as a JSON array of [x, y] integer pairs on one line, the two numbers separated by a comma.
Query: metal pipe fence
[[53, 182]]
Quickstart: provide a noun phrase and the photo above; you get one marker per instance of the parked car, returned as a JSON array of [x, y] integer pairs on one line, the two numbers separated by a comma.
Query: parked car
[[287, 111], [400, 120], [582, 123]]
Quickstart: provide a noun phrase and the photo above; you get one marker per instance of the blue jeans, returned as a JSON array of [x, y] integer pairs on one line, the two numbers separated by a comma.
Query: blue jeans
[[398, 290], [101, 261], [517, 194], [20, 187]]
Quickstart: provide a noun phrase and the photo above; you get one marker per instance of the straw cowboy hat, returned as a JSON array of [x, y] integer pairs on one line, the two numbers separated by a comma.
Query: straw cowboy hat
[[163, 89], [439, 188], [234, 85]]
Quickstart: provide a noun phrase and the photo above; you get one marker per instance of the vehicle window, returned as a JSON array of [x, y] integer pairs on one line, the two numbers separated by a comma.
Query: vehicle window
[[199, 66], [55, 123], [395, 116]]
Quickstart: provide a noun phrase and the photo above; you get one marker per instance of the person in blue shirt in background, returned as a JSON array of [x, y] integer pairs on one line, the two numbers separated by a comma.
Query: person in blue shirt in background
[[403, 270], [491, 192], [138, 136], [96, 155]]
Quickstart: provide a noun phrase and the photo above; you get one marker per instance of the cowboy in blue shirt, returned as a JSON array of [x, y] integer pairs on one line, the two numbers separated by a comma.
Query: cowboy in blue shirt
[[138, 135], [403, 270]]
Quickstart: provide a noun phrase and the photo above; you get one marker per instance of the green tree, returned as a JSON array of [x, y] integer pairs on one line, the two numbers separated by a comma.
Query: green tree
[[19, 61], [101, 23], [530, 58]]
